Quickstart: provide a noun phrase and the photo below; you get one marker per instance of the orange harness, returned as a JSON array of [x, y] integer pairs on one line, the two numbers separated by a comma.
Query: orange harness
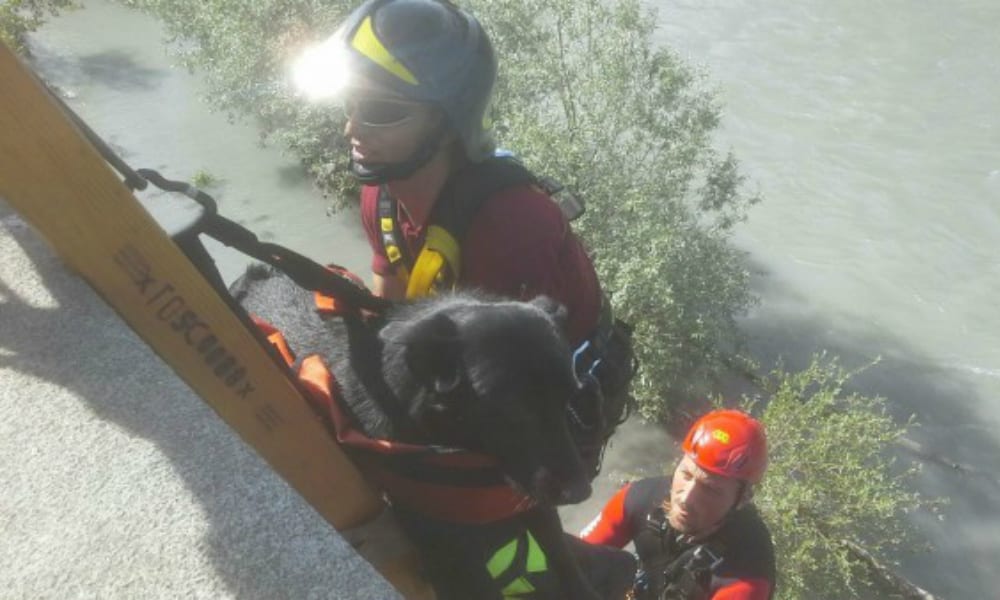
[[447, 484]]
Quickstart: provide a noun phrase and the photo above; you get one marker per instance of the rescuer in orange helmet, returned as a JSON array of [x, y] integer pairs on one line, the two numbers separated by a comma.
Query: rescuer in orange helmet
[[697, 533]]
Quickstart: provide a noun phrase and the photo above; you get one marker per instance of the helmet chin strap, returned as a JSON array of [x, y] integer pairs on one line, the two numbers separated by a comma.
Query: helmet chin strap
[[384, 173]]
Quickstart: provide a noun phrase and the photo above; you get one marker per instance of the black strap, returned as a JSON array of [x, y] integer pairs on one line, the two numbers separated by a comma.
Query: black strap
[[459, 202], [388, 210], [307, 273], [695, 562], [671, 571], [467, 190], [689, 576]]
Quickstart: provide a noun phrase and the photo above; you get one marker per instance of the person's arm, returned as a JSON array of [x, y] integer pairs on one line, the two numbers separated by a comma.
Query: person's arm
[[388, 286], [611, 526], [744, 589]]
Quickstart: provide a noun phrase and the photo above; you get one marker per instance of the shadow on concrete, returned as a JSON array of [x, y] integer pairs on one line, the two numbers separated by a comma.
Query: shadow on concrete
[[263, 540]]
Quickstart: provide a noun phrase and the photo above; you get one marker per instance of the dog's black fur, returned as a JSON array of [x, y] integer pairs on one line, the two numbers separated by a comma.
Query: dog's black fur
[[466, 371]]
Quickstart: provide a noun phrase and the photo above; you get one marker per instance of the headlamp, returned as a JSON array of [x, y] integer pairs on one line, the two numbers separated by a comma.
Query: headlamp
[[321, 72]]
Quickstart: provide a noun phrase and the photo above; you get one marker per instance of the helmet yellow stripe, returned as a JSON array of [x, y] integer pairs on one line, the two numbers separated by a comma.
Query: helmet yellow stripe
[[367, 43]]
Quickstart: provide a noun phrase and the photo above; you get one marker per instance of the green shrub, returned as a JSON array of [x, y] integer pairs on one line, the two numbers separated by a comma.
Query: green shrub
[[20, 17], [832, 487], [204, 179]]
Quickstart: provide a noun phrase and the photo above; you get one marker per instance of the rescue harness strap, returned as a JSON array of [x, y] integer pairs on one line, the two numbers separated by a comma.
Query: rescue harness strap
[[304, 271], [444, 483], [684, 575], [438, 264]]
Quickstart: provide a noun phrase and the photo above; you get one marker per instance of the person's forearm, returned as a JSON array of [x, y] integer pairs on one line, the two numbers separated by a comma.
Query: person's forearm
[[391, 288]]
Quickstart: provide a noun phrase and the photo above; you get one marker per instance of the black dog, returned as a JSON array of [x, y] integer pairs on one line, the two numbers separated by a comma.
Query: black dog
[[470, 372]]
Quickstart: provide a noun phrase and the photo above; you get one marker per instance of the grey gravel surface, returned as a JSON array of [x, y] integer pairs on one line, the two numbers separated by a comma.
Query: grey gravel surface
[[116, 481]]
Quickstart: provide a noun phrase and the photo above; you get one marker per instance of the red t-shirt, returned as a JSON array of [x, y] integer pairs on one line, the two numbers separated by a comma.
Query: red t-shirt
[[519, 245]]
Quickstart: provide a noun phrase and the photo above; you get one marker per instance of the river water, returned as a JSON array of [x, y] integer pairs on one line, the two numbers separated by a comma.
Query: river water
[[871, 129]]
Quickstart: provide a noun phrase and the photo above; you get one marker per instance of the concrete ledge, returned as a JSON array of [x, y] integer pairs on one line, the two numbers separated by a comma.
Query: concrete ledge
[[118, 482]]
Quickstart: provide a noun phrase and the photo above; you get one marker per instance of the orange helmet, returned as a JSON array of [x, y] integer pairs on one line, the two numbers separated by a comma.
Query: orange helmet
[[729, 443]]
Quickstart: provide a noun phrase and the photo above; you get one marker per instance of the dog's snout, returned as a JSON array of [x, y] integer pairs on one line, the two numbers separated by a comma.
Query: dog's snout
[[551, 489], [577, 492]]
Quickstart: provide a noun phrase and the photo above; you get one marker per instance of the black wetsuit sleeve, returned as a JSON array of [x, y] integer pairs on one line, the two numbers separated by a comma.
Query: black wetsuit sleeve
[[644, 495]]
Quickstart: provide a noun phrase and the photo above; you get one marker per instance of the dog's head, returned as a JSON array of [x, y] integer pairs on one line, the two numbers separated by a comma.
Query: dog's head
[[493, 377]]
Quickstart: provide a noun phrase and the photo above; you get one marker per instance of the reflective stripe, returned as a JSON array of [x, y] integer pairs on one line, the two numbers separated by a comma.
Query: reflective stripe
[[536, 558], [367, 43], [503, 559], [518, 587], [589, 529]]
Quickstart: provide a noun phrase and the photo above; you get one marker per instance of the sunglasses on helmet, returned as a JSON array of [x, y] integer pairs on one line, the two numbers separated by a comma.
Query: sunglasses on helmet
[[380, 112]]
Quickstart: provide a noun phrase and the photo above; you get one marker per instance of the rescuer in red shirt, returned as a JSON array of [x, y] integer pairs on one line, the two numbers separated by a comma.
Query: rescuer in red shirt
[[518, 245], [443, 209]]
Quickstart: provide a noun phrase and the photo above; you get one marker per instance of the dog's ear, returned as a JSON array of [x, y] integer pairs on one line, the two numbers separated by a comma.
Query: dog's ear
[[554, 309], [433, 352]]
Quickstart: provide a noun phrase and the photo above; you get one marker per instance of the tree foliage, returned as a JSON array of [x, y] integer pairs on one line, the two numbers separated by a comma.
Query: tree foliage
[[586, 97], [583, 96], [831, 486], [20, 17]]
